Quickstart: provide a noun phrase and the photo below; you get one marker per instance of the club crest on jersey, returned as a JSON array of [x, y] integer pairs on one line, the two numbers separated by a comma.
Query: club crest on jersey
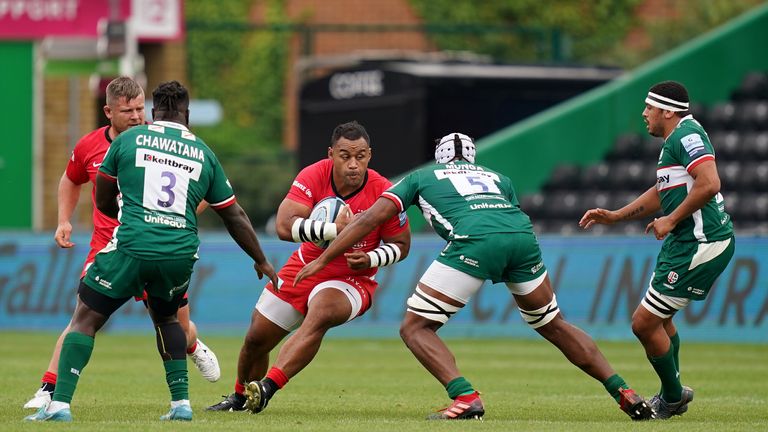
[[672, 277]]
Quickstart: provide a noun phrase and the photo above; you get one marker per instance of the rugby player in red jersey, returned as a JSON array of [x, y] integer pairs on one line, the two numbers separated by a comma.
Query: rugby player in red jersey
[[341, 292]]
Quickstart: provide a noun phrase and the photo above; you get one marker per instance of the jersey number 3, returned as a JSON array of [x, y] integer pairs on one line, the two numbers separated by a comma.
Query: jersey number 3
[[166, 187]]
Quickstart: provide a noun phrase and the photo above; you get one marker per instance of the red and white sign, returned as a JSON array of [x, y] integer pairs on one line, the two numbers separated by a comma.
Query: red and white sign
[[36, 19], [157, 19]]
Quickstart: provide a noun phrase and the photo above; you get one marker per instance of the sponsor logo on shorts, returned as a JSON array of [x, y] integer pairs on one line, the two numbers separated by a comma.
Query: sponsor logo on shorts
[[178, 288], [696, 291], [668, 286], [672, 277], [469, 261], [537, 267], [105, 283]]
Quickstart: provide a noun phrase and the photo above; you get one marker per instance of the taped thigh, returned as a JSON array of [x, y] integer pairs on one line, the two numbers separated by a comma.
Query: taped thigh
[[525, 288], [453, 283], [541, 316], [353, 295], [425, 305], [661, 305]]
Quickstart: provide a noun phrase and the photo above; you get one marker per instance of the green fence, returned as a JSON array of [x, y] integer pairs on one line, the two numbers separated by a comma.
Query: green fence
[[16, 149]]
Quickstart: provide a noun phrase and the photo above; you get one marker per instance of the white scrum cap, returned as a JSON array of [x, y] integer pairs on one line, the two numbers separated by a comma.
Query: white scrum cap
[[455, 145]]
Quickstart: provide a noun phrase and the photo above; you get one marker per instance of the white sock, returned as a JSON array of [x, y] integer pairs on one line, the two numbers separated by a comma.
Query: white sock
[[56, 406], [178, 403]]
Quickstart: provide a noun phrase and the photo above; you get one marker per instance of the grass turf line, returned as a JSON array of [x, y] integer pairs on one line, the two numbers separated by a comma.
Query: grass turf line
[[378, 386]]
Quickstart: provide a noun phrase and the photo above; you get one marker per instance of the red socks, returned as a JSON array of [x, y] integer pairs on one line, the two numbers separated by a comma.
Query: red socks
[[50, 378], [239, 387], [278, 377], [468, 398]]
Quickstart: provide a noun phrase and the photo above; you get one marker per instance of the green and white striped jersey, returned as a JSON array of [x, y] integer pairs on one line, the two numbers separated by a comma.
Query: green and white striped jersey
[[163, 172], [685, 148], [460, 199]]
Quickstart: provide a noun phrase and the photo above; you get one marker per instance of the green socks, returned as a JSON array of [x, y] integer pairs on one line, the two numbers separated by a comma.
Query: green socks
[[459, 387], [177, 378], [75, 353], [665, 368], [675, 340], [613, 384]]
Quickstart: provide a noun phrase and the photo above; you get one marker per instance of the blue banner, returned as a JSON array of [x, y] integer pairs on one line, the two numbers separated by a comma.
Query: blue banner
[[599, 281]]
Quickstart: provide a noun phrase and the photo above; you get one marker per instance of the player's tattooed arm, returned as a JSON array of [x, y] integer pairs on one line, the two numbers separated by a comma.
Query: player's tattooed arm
[[633, 212]]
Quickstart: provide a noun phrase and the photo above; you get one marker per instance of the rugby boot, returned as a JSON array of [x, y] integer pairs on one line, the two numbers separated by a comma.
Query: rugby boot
[[41, 398], [233, 402], [181, 412], [62, 415], [256, 397], [461, 409], [635, 406], [665, 410], [206, 362]]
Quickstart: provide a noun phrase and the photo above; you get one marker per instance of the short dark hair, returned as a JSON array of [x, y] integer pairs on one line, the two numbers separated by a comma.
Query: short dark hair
[[673, 90], [123, 87], [170, 96], [351, 131]]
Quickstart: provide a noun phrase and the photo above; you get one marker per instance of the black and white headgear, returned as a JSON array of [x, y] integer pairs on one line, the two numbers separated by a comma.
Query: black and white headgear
[[668, 95], [455, 146]]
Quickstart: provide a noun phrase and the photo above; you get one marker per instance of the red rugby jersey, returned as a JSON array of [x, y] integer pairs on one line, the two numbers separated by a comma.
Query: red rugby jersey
[[82, 167], [315, 182]]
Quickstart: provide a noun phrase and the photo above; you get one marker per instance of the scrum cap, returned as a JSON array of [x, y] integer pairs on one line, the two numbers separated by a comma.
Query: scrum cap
[[455, 146]]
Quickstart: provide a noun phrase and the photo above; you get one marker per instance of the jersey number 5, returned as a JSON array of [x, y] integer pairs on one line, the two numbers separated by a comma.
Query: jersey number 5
[[470, 183]]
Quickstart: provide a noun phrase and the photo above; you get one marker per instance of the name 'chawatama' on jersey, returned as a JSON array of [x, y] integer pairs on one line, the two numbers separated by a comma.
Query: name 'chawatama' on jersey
[[163, 172], [684, 149], [460, 199]]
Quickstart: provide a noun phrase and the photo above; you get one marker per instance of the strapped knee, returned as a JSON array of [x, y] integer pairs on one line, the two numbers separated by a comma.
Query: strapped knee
[[541, 316], [431, 308], [171, 341]]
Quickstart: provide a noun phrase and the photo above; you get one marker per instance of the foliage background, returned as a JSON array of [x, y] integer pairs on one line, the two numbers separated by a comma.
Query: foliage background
[[244, 67], [244, 71]]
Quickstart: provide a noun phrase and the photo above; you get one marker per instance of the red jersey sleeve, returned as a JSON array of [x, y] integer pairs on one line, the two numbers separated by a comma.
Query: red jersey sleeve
[[77, 166], [308, 184], [395, 225]]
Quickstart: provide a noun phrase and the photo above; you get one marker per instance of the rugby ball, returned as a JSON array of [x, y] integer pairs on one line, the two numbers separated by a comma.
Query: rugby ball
[[326, 210]]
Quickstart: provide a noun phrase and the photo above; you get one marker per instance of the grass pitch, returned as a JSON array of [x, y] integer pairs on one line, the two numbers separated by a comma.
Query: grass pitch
[[359, 385]]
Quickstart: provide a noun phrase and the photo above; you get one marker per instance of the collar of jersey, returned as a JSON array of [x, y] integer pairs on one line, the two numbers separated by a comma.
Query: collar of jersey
[[171, 125], [688, 117], [354, 192]]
